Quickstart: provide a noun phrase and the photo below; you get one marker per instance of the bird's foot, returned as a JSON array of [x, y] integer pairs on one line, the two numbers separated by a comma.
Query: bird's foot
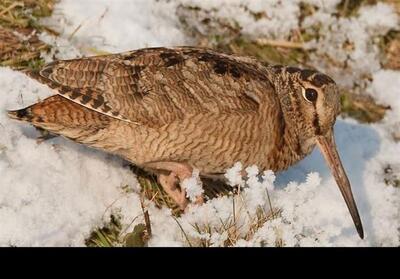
[[177, 173], [169, 184]]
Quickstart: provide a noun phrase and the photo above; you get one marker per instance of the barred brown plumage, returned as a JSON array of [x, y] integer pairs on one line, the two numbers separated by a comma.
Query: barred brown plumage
[[170, 110]]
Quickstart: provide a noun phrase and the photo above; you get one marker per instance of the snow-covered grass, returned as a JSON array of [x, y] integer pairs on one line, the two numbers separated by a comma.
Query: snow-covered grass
[[115, 26], [55, 193], [22, 48], [352, 43]]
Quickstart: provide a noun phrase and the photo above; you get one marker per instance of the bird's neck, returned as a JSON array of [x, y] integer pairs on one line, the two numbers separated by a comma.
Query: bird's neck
[[293, 146]]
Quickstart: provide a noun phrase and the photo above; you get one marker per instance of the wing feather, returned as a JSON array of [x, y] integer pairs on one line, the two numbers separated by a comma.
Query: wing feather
[[159, 85]]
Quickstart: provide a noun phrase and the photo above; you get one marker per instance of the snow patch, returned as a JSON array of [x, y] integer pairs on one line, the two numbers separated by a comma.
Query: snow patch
[[102, 25], [193, 186], [56, 192]]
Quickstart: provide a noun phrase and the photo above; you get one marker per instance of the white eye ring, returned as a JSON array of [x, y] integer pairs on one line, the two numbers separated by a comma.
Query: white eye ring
[[309, 94]]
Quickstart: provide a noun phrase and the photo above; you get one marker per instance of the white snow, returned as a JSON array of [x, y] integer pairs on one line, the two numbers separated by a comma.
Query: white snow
[[352, 43], [234, 175], [116, 26], [385, 88], [51, 193], [193, 186], [56, 192], [281, 17]]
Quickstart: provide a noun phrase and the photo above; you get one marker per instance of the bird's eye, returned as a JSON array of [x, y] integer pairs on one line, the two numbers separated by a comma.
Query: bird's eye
[[310, 94]]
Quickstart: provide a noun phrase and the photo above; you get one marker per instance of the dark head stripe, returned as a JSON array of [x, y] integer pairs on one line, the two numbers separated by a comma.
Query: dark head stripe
[[316, 125], [321, 79], [306, 73], [293, 70]]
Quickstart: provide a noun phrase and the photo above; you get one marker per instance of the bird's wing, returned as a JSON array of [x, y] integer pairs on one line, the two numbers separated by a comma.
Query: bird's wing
[[156, 86]]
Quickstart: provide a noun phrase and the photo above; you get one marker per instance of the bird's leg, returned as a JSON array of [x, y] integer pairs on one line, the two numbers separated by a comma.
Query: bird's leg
[[169, 184], [177, 172]]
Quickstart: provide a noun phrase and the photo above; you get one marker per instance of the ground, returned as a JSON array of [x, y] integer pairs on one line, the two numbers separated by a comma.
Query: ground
[[58, 193]]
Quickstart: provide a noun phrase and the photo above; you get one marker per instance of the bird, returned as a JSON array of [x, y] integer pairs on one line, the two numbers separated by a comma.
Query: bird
[[170, 110]]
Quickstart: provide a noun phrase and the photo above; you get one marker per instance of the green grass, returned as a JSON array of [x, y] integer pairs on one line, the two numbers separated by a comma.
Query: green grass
[[265, 53], [348, 8], [24, 13], [106, 236], [362, 108], [20, 25], [114, 234], [390, 47]]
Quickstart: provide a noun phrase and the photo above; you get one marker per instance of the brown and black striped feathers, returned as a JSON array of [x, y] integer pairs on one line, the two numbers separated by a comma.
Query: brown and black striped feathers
[[156, 86]]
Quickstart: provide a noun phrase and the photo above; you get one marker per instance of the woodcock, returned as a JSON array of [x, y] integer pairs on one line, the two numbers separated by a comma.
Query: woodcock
[[169, 110]]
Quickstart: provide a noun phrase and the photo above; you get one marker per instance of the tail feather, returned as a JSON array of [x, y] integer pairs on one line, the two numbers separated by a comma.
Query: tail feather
[[59, 115], [24, 114]]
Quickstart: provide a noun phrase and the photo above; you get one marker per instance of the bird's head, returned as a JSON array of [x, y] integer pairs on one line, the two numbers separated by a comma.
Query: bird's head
[[310, 103]]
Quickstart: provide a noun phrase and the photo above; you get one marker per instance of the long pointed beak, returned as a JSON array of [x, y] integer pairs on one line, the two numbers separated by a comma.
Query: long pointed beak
[[327, 146]]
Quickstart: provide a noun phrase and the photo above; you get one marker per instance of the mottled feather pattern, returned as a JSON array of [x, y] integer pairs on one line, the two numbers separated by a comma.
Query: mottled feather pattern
[[188, 104], [91, 98], [161, 84]]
